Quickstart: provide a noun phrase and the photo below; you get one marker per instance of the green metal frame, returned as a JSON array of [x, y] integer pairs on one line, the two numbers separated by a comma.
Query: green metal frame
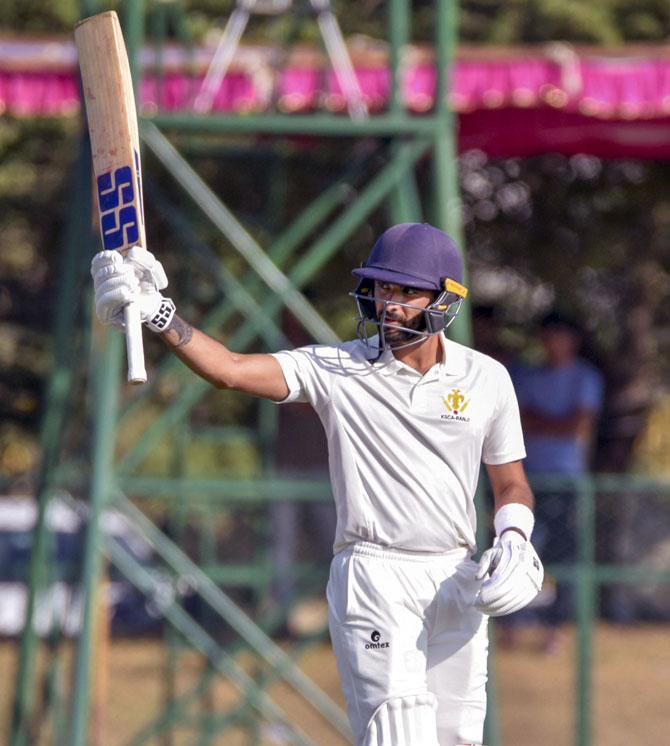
[[66, 352]]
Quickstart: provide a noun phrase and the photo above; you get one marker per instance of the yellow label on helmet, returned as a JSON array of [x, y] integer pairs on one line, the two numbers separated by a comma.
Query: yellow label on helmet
[[451, 286]]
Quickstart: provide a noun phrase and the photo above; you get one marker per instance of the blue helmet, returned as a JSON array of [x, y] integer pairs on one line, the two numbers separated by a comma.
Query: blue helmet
[[415, 255]]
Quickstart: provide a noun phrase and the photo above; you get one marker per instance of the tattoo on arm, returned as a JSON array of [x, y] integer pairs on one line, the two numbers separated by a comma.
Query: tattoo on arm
[[183, 330]]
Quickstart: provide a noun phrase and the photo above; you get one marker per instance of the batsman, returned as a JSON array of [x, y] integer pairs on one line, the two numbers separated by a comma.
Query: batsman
[[409, 415]]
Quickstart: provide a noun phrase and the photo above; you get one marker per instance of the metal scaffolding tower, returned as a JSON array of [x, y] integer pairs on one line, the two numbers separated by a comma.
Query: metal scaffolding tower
[[127, 429]]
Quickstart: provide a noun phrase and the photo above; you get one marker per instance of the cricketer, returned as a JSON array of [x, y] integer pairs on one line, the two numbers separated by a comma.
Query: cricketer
[[410, 416]]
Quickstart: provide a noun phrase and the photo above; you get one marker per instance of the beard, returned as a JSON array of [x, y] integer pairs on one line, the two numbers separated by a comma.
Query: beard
[[396, 337]]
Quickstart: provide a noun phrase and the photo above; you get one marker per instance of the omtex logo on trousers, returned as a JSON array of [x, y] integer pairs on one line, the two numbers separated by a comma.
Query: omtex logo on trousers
[[376, 642]]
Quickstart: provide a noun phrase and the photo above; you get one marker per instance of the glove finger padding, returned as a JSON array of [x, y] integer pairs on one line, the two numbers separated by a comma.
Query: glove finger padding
[[115, 286], [516, 576], [149, 270], [488, 562], [505, 601], [138, 279], [105, 261], [110, 301], [156, 311], [512, 604]]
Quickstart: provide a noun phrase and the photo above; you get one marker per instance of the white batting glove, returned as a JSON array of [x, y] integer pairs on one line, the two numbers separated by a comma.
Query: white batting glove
[[515, 575], [137, 278]]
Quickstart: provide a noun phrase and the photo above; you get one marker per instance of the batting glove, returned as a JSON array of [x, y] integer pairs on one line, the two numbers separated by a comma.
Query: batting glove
[[513, 573], [137, 278]]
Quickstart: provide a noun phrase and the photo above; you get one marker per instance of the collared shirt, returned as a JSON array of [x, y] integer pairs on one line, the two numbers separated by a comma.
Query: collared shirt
[[404, 448]]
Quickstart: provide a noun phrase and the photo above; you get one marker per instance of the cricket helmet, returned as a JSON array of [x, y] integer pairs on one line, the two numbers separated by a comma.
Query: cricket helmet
[[415, 255]]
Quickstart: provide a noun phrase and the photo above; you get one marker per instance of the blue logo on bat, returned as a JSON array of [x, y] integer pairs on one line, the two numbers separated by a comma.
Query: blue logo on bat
[[118, 216]]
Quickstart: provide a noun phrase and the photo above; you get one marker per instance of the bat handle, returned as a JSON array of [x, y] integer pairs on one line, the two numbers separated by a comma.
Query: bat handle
[[134, 345]]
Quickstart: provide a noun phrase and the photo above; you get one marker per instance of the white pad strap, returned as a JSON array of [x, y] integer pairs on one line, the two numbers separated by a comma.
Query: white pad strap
[[514, 516], [404, 721]]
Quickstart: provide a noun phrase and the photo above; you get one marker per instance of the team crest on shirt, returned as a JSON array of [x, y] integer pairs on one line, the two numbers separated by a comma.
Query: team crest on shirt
[[456, 403]]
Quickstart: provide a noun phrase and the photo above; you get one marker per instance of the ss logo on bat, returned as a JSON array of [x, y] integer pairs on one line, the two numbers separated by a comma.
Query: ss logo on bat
[[118, 216]]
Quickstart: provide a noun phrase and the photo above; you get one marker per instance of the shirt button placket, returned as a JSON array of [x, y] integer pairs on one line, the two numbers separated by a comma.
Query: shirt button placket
[[416, 398]]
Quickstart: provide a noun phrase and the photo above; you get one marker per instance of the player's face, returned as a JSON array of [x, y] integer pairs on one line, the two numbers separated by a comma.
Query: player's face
[[399, 302]]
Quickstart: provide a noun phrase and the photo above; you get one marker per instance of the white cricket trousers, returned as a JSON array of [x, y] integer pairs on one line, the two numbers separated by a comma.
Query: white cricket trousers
[[403, 624]]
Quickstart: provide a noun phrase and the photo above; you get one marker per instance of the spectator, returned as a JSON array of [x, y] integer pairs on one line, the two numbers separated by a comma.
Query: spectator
[[560, 400]]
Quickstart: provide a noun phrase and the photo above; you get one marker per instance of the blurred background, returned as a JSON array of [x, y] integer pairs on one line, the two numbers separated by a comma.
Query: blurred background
[[164, 550]]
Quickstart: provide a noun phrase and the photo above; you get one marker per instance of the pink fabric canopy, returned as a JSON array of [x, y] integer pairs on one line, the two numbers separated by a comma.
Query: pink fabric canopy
[[515, 103]]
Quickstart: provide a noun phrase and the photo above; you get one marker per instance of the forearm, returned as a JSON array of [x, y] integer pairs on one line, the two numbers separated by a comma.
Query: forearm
[[260, 374], [516, 492], [202, 354], [509, 484], [514, 510]]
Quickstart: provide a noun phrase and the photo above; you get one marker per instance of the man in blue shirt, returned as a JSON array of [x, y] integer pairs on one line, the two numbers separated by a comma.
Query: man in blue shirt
[[560, 401]]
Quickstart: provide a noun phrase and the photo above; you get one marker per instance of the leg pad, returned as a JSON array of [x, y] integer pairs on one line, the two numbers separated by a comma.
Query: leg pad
[[404, 721]]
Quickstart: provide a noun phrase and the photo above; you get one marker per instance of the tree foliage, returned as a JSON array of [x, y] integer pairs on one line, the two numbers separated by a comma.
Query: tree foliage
[[38, 16], [608, 22], [505, 22]]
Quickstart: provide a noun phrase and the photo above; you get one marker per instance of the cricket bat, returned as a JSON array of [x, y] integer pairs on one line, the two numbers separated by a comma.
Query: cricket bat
[[115, 147]]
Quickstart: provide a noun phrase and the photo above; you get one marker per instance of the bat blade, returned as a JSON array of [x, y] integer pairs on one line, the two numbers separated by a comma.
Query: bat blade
[[115, 151]]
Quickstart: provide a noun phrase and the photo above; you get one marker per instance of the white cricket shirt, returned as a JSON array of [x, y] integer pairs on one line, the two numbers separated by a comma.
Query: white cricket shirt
[[404, 448]]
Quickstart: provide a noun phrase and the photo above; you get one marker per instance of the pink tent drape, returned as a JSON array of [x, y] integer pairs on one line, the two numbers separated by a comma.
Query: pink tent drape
[[517, 102]]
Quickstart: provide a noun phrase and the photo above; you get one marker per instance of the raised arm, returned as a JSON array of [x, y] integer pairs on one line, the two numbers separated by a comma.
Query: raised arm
[[140, 278]]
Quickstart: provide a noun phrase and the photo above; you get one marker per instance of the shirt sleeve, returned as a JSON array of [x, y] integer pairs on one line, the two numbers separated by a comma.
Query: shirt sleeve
[[591, 390], [503, 442], [305, 375]]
